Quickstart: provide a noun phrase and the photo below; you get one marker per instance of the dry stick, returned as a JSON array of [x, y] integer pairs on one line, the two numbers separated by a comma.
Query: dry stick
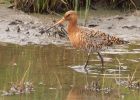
[[59, 83], [56, 28], [86, 78], [63, 1], [53, 19], [52, 12], [133, 4], [133, 75], [86, 12], [57, 95], [103, 79], [66, 3], [131, 78], [119, 75], [103, 86], [119, 67], [23, 78], [73, 79]]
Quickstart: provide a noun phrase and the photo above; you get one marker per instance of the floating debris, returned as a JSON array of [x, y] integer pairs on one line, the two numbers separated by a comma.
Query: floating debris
[[130, 27], [110, 27], [107, 59], [111, 71], [124, 67], [26, 87], [92, 25], [132, 60], [96, 87], [79, 68], [52, 88], [128, 84], [11, 6], [41, 83], [14, 64], [15, 22], [42, 31], [59, 31], [18, 29], [60, 34], [7, 30], [28, 32], [119, 17]]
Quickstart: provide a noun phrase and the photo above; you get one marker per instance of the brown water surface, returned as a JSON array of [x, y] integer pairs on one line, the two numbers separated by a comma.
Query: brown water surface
[[57, 72]]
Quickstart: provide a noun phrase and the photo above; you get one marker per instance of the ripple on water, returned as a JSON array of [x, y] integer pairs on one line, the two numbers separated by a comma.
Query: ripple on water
[[136, 49], [132, 60], [106, 59], [96, 70]]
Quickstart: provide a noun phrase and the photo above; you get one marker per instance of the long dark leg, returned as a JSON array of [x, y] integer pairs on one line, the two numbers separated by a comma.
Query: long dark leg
[[85, 66], [102, 60]]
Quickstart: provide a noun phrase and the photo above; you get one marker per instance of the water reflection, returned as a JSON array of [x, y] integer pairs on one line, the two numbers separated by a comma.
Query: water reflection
[[57, 72]]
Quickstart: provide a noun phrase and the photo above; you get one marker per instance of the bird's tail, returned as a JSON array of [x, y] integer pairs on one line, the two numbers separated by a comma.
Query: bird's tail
[[116, 40]]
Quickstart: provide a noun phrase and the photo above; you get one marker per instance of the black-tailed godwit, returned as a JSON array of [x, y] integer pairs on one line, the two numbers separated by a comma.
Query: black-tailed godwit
[[89, 39]]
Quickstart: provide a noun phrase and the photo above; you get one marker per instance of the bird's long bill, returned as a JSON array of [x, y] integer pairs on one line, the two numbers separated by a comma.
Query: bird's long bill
[[59, 22]]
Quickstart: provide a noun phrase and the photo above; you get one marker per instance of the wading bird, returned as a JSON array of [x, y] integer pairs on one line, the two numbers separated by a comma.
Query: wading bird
[[89, 39]]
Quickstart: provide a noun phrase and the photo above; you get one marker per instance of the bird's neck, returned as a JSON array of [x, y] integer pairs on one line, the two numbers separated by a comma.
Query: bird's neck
[[72, 27]]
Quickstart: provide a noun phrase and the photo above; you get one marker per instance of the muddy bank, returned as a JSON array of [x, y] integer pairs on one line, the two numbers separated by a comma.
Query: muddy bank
[[126, 26], [20, 28]]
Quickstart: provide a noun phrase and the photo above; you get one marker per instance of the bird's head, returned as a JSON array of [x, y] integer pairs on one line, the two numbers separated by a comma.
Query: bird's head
[[70, 16]]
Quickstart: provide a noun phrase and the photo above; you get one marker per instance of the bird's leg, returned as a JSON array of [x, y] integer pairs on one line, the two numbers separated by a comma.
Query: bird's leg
[[101, 58], [85, 66]]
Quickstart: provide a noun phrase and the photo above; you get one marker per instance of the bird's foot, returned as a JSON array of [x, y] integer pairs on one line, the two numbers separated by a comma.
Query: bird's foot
[[102, 68], [85, 68]]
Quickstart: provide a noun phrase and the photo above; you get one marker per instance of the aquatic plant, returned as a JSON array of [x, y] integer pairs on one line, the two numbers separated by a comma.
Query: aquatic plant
[[64, 5], [40, 5], [122, 3]]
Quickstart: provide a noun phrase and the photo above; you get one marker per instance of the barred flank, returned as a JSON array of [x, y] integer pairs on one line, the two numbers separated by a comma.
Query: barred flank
[[89, 39]]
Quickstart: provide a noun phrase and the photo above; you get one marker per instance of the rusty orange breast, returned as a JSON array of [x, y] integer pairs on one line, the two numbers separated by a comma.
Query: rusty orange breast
[[76, 40], [74, 34]]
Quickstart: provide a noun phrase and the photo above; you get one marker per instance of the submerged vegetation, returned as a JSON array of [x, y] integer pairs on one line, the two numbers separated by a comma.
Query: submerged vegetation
[[64, 5]]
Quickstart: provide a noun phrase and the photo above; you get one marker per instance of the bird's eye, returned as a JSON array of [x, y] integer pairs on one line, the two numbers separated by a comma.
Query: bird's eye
[[68, 15]]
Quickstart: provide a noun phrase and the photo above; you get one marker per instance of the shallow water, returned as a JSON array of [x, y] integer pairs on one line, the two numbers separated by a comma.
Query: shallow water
[[57, 72]]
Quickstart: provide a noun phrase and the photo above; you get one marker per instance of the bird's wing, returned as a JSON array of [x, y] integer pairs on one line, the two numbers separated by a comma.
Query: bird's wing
[[97, 39]]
